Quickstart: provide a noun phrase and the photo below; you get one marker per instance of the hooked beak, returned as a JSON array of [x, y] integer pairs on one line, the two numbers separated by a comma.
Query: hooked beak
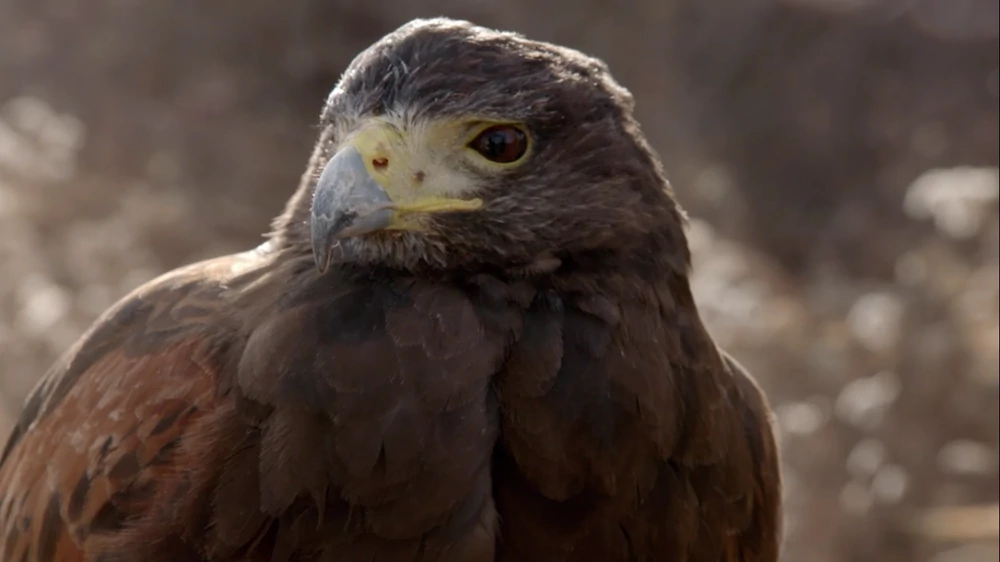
[[351, 199], [347, 202]]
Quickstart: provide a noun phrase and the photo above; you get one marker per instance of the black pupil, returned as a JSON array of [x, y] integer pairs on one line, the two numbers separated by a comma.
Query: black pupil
[[501, 144]]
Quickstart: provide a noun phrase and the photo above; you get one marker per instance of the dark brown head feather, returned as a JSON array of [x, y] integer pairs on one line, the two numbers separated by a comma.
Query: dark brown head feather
[[592, 187]]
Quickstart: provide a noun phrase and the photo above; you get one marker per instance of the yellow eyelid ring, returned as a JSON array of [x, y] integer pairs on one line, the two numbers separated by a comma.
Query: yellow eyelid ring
[[486, 125]]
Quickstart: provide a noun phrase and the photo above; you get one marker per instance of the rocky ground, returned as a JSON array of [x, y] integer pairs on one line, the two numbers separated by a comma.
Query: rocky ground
[[838, 157]]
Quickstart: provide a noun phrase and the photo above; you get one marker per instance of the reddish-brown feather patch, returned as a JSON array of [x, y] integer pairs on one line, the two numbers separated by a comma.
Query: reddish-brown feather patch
[[107, 453]]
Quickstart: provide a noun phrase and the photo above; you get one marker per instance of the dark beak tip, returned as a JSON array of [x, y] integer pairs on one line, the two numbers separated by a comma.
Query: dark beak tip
[[320, 240], [321, 258], [322, 265]]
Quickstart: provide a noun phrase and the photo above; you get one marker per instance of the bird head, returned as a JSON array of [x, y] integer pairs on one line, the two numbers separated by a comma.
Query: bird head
[[450, 146]]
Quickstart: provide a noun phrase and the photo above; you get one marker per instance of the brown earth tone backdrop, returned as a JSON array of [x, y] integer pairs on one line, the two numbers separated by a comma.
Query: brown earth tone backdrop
[[838, 158]]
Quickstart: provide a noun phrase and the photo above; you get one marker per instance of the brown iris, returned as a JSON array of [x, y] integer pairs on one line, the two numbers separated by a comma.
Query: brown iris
[[502, 144]]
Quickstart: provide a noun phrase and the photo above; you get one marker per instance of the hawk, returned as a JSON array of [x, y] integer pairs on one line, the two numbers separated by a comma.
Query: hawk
[[470, 337]]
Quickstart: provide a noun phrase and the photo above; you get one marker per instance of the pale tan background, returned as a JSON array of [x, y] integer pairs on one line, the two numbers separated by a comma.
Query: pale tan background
[[838, 158]]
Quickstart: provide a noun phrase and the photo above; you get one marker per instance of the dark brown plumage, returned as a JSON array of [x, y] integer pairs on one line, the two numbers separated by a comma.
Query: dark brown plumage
[[497, 359]]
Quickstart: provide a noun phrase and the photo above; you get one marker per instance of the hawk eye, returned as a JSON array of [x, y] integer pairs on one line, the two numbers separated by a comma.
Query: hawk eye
[[502, 144]]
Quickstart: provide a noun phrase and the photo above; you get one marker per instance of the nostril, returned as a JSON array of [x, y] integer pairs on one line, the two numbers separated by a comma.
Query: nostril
[[380, 163]]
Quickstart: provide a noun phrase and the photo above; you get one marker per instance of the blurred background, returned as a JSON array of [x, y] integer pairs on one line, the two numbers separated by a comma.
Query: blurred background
[[838, 159]]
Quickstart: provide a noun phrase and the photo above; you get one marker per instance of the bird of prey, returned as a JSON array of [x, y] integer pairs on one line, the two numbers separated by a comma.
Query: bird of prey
[[470, 337]]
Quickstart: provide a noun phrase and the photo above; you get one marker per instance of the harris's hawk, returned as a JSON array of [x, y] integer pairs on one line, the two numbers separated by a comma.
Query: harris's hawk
[[470, 338]]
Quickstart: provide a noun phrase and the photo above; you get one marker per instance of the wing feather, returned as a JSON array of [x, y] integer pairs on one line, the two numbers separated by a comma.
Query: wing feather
[[119, 436]]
